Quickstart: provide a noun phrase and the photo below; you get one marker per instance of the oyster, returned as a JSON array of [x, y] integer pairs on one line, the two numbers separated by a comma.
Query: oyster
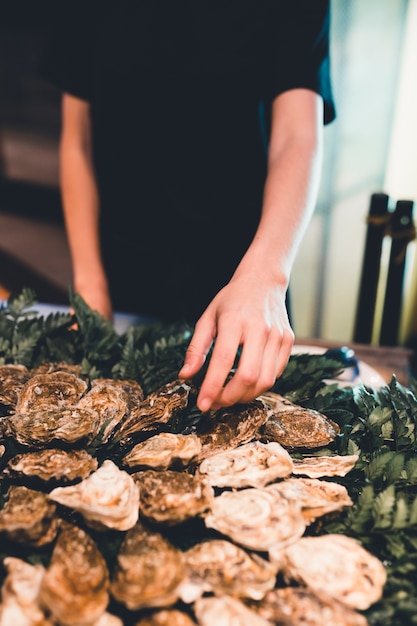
[[251, 465], [156, 409], [20, 593], [132, 389], [148, 571], [108, 498], [12, 380], [337, 565], [301, 607], [257, 518], [172, 497], [52, 464], [109, 401], [28, 517], [58, 366], [167, 617], [46, 391], [316, 497], [294, 426], [163, 451], [226, 611], [317, 466], [223, 568], [48, 426], [229, 427], [107, 619], [75, 586]]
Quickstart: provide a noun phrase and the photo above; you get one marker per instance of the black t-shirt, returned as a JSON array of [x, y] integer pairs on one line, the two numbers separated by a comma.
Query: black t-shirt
[[180, 97]]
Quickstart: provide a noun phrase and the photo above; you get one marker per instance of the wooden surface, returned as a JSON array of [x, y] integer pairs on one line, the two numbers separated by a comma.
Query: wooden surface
[[385, 360]]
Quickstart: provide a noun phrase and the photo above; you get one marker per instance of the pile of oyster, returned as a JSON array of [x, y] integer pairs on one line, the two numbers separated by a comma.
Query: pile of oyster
[[124, 509]]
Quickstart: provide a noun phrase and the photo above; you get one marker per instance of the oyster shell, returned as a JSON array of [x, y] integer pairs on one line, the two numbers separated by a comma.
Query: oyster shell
[[46, 391], [156, 409], [108, 619], [148, 571], [110, 402], [134, 392], [12, 380], [251, 465], [298, 606], [226, 611], [20, 593], [167, 617], [52, 464], [294, 426], [75, 586], [223, 568], [48, 426], [172, 497], [316, 497], [58, 366], [28, 517], [257, 518], [229, 427], [338, 566], [163, 451], [318, 466], [108, 498]]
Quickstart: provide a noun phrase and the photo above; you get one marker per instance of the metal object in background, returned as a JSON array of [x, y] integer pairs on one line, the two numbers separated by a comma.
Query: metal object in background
[[378, 218]]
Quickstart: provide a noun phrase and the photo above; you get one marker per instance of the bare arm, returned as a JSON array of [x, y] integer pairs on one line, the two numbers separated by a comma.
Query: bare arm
[[81, 204], [250, 310]]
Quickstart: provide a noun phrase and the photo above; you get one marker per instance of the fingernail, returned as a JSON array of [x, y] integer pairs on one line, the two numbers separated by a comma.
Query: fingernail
[[204, 404], [185, 370]]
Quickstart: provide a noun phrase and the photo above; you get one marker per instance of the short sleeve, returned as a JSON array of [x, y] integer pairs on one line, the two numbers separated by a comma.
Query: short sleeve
[[67, 60], [298, 51]]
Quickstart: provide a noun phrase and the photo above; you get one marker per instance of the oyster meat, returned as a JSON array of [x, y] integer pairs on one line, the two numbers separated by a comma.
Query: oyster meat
[[294, 426], [46, 391], [338, 566], [39, 428], [75, 586], [252, 464], [20, 593], [108, 498], [148, 571], [229, 427], [163, 451], [28, 517], [167, 617], [12, 380], [223, 568], [227, 611], [52, 464], [316, 497], [257, 518], [298, 606], [172, 497], [318, 466]]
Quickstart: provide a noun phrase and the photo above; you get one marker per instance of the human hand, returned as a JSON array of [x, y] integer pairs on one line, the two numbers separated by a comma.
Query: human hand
[[249, 313]]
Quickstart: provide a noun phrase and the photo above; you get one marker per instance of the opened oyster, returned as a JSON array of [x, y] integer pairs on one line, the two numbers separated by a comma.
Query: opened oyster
[[12, 380], [315, 497], [45, 391], [230, 427], [48, 426], [108, 498], [294, 426], [75, 586], [20, 594], [28, 517], [222, 568], [148, 572], [257, 518], [318, 466], [52, 464], [172, 497], [298, 606], [337, 565], [163, 451], [167, 617], [226, 611], [251, 465]]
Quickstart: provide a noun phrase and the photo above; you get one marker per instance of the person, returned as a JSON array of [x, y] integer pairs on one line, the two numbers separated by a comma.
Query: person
[[190, 158]]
